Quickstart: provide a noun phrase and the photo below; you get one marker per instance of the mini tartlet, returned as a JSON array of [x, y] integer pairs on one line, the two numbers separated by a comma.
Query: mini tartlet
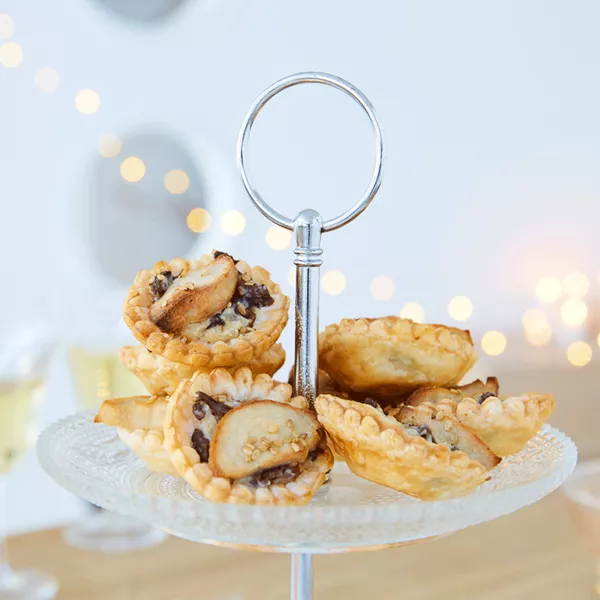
[[505, 423], [430, 460], [210, 312], [161, 376], [242, 439], [139, 422], [392, 356]]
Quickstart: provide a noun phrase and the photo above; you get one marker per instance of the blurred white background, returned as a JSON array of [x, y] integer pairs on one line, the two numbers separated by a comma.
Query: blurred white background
[[491, 122]]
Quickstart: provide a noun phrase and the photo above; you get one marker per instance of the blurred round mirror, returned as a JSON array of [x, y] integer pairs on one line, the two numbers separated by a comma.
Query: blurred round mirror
[[142, 11], [147, 198]]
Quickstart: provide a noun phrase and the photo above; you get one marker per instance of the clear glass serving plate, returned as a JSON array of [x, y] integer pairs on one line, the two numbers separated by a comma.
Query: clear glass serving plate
[[348, 513]]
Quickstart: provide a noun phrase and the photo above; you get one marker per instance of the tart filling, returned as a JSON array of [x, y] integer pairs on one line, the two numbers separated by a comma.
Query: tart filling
[[243, 439], [215, 311], [391, 356], [422, 459], [161, 376], [505, 424]]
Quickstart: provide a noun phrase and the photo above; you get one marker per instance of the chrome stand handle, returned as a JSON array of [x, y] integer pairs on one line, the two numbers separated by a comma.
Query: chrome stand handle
[[308, 227]]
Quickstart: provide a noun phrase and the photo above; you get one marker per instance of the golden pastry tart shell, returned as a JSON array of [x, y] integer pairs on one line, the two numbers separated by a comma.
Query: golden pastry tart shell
[[505, 424], [391, 356], [148, 445], [133, 412], [378, 448], [161, 376], [240, 386], [182, 349]]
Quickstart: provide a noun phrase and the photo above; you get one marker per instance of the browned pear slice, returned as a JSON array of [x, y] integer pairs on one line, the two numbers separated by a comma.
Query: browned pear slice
[[260, 435], [135, 412], [449, 432], [196, 296], [474, 389]]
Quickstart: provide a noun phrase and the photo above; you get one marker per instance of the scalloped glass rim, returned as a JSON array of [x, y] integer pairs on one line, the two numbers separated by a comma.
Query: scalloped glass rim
[[348, 513]]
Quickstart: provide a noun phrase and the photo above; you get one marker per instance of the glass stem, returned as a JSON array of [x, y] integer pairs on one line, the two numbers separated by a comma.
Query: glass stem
[[5, 570], [301, 581]]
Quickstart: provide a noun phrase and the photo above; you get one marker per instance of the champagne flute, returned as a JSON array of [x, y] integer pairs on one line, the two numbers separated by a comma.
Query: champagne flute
[[25, 353], [98, 375], [583, 490]]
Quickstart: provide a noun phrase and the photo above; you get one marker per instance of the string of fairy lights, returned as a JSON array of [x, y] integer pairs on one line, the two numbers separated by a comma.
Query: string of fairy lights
[[564, 296]]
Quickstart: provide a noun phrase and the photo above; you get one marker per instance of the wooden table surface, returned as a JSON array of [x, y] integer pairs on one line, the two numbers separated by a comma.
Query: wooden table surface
[[534, 554]]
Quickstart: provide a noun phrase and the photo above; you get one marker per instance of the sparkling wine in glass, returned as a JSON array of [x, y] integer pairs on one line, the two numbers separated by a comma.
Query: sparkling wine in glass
[[99, 375], [25, 353]]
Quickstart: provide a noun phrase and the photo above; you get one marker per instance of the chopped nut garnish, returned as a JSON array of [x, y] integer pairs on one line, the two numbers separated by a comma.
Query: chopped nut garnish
[[275, 429], [241, 309], [233, 456]]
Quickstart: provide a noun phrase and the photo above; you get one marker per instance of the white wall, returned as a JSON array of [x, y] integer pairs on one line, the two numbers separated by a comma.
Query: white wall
[[490, 111]]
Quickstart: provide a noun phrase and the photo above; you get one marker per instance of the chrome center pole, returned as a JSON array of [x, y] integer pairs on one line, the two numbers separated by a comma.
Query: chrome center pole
[[308, 227]]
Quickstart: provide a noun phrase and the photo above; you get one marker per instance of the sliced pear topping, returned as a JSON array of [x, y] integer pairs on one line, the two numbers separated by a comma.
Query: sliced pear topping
[[261, 435], [197, 296], [475, 390], [450, 433]]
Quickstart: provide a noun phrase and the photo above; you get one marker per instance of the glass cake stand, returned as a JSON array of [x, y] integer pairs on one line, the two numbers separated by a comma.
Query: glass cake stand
[[348, 513]]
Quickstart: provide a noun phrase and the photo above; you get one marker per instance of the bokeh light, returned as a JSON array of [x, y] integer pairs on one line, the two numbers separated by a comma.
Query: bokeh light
[[460, 308], [382, 287], [537, 327], [539, 338], [579, 354], [233, 222], [109, 145], [598, 340], [576, 284], [11, 55], [413, 311], [177, 181], [46, 80], [133, 169], [7, 27], [535, 320], [493, 343], [574, 312], [548, 289], [199, 220], [333, 282], [278, 238], [87, 102]]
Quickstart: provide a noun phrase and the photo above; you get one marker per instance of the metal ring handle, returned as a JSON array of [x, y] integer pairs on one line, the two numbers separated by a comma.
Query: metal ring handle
[[287, 82]]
